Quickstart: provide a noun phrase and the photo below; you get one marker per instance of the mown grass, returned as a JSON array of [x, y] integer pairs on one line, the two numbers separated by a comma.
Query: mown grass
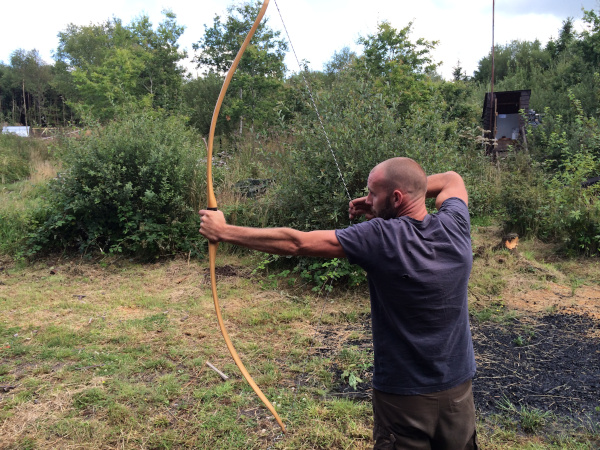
[[101, 356], [106, 354]]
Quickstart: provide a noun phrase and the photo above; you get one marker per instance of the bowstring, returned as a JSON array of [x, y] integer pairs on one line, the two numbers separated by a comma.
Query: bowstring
[[341, 175], [314, 104]]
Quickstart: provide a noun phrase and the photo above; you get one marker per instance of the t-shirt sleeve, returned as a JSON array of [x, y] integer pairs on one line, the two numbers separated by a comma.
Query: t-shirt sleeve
[[361, 241], [458, 209]]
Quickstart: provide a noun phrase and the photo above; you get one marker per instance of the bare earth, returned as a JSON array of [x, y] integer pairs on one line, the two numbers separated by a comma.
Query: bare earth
[[556, 297]]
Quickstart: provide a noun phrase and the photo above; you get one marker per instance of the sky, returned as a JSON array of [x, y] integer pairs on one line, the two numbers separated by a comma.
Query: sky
[[317, 28]]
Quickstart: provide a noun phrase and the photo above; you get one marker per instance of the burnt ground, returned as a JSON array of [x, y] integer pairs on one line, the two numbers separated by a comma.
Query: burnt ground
[[549, 363]]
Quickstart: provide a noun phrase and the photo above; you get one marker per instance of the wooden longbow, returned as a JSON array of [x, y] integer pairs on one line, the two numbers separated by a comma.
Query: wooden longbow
[[212, 205]]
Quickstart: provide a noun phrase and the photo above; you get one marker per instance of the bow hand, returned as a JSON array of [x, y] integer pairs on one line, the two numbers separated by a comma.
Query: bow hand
[[212, 224]]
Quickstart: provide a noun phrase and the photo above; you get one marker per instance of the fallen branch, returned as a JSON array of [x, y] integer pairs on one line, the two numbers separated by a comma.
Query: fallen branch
[[221, 374]]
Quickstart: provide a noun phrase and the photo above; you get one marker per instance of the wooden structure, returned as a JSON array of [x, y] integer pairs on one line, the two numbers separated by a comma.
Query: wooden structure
[[502, 121]]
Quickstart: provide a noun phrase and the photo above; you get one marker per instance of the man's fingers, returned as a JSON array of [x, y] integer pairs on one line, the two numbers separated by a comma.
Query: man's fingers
[[210, 222]]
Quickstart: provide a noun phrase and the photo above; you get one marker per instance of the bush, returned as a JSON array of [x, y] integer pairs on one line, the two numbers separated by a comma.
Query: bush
[[129, 187], [364, 129], [550, 207], [544, 196]]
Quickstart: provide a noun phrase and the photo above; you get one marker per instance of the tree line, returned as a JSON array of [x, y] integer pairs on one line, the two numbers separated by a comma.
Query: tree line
[[384, 101], [98, 68]]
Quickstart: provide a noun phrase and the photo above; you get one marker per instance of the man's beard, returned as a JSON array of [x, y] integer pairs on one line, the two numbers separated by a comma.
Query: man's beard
[[388, 211]]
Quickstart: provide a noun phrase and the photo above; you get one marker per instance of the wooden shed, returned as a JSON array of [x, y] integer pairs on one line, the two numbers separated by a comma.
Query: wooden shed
[[501, 120]]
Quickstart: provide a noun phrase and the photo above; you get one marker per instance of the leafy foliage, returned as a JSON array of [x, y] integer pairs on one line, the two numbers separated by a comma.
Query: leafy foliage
[[364, 129], [109, 65], [259, 77], [400, 68], [127, 188], [200, 97], [545, 198]]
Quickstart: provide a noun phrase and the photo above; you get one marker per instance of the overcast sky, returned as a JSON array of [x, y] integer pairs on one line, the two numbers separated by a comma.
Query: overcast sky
[[317, 28]]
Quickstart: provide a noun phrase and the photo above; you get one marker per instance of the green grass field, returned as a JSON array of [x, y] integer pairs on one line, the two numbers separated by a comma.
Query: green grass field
[[112, 354]]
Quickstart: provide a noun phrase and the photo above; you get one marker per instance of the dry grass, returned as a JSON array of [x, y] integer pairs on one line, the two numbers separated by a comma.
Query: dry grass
[[43, 170], [71, 327], [108, 354]]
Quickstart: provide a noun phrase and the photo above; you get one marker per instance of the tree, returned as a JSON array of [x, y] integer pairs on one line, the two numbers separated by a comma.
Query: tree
[[390, 50], [402, 69], [566, 37], [517, 55], [255, 88], [340, 60], [27, 81], [458, 73], [108, 65], [200, 96], [589, 44], [162, 77]]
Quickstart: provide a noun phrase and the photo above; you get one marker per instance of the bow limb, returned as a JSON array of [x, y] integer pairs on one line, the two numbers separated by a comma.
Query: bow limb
[[212, 204]]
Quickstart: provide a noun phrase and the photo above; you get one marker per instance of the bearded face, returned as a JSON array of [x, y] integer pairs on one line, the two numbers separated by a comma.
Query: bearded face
[[387, 211]]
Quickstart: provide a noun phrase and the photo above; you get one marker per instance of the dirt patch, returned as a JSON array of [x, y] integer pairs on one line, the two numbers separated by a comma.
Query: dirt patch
[[550, 363], [558, 298], [546, 362], [226, 271]]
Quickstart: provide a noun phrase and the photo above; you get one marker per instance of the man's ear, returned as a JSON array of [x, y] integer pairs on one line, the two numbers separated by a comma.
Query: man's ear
[[398, 197]]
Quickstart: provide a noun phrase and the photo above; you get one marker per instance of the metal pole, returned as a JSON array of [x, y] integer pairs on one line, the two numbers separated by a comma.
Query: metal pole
[[493, 45]]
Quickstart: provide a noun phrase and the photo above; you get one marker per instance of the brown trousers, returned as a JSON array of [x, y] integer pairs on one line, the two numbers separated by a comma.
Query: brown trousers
[[439, 421]]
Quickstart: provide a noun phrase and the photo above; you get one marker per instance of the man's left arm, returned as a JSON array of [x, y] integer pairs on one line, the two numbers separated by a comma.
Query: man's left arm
[[278, 241], [446, 185]]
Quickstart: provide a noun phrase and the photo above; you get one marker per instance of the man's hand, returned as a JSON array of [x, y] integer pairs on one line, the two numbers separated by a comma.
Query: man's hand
[[359, 207], [212, 225]]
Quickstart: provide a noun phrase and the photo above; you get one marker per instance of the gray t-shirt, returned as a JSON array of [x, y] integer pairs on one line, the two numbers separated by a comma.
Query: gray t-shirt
[[418, 275]]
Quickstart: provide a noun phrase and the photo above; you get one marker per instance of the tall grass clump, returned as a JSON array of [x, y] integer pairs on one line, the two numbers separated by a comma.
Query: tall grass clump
[[25, 168], [19, 205], [19, 157], [131, 187]]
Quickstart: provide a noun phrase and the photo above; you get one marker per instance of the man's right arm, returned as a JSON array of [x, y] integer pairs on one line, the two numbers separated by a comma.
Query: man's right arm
[[279, 241], [443, 186]]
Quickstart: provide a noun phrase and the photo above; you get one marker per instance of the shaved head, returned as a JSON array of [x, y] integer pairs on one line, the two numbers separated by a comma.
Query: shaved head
[[404, 174]]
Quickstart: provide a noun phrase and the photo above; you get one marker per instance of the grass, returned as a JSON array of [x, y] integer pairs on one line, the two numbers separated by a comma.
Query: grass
[[114, 355], [106, 354], [25, 168]]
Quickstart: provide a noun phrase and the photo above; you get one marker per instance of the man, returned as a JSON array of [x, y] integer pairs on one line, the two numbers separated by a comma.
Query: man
[[418, 266]]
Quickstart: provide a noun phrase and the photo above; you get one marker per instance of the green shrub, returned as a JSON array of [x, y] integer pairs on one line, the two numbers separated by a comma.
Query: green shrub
[[129, 187], [543, 194], [364, 129]]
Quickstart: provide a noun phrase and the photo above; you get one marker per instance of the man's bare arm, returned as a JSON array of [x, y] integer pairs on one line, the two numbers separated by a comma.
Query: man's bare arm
[[445, 185], [279, 241]]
